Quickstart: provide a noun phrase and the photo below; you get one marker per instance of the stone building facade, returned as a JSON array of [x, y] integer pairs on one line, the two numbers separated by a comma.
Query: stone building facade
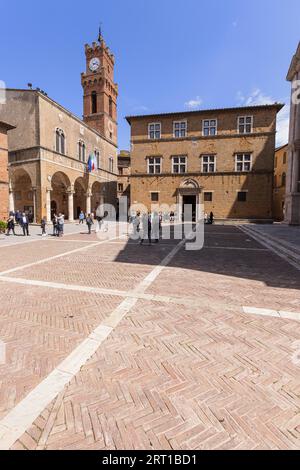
[[280, 172], [4, 180], [50, 147], [124, 170], [292, 210], [222, 158]]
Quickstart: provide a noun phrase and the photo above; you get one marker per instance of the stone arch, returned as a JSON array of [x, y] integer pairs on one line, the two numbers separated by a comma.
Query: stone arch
[[190, 184], [97, 195], [22, 197], [80, 194], [61, 185]]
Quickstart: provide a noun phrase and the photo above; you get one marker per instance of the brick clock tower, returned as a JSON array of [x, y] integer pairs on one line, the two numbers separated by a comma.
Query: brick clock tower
[[100, 93]]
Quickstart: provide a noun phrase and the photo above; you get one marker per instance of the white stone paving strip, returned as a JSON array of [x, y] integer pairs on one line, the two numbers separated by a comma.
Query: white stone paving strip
[[272, 313], [265, 243], [21, 417]]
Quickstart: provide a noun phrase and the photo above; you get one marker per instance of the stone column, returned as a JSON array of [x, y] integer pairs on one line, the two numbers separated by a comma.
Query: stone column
[[88, 202], [48, 205], [71, 206], [34, 205], [11, 200]]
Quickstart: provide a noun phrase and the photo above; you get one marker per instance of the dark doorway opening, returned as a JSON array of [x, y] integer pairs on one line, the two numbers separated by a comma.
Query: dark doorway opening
[[53, 209], [188, 201]]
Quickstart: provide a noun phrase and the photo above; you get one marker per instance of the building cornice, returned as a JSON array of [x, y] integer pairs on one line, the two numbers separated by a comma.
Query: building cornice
[[198, 173], [295, 65], [202, 138], [277, 106]]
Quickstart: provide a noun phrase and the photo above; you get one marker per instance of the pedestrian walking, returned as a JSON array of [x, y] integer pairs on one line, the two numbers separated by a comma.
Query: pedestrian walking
[[24, 221], [10, 225], [89, 222], [206, 218], [43, 226], [55, 225], [81, 218], [211, 217]]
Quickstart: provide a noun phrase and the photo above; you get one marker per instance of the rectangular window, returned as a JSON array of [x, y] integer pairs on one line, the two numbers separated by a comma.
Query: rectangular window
[[120, 187], [111, 165], [245, 124], [243, 162], [179, 164], [154, 197], [242, 196], [120, 171], [209, 127], [208, 163], [154, 130], [154, 165], [179, 129], [208, 196], [284, 158]]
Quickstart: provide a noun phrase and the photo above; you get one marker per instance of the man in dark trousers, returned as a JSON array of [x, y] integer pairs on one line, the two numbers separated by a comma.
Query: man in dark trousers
[[24, 221]]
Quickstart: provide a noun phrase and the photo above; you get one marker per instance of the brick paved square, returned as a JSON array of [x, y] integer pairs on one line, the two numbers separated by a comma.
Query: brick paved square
[[148, 353]]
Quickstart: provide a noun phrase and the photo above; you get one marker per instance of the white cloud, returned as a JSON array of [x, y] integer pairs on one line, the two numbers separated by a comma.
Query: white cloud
[[140, 109], [283, 122], [257, 97], [194, 103]]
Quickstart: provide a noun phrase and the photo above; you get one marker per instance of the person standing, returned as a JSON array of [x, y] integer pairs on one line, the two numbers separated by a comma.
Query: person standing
[[211, 217], [43, 226], [55, 228], [24, 221], [89, 222], [10, 225], [81, 217], [60, 223]]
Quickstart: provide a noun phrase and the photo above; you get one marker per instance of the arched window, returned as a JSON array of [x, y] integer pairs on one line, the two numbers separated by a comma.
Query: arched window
[[81, 151], [110, 106], [60, 141], [57, 144], [283, 179], [94, 102], [97, 155]]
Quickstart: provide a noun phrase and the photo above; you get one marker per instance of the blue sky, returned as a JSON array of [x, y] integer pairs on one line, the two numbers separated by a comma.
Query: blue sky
[[170, 55]]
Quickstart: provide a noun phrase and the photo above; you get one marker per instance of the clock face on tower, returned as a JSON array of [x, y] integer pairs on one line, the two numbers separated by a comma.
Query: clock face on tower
[[94, 64]]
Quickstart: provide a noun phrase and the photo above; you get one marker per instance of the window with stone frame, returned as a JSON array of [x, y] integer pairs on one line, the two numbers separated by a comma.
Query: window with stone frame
[[209, 127], [154, 197], [209, 163], [243, 162], [154, 165], [245, 124], [60, 141], [97, 155], [111, 164], [154, 130], [120, 187], [179, 164], [81, 151], [208, 196], [179, 129]]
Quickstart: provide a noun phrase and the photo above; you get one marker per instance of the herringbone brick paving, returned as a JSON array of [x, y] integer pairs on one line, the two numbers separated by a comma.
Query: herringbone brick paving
[[169, 376]]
